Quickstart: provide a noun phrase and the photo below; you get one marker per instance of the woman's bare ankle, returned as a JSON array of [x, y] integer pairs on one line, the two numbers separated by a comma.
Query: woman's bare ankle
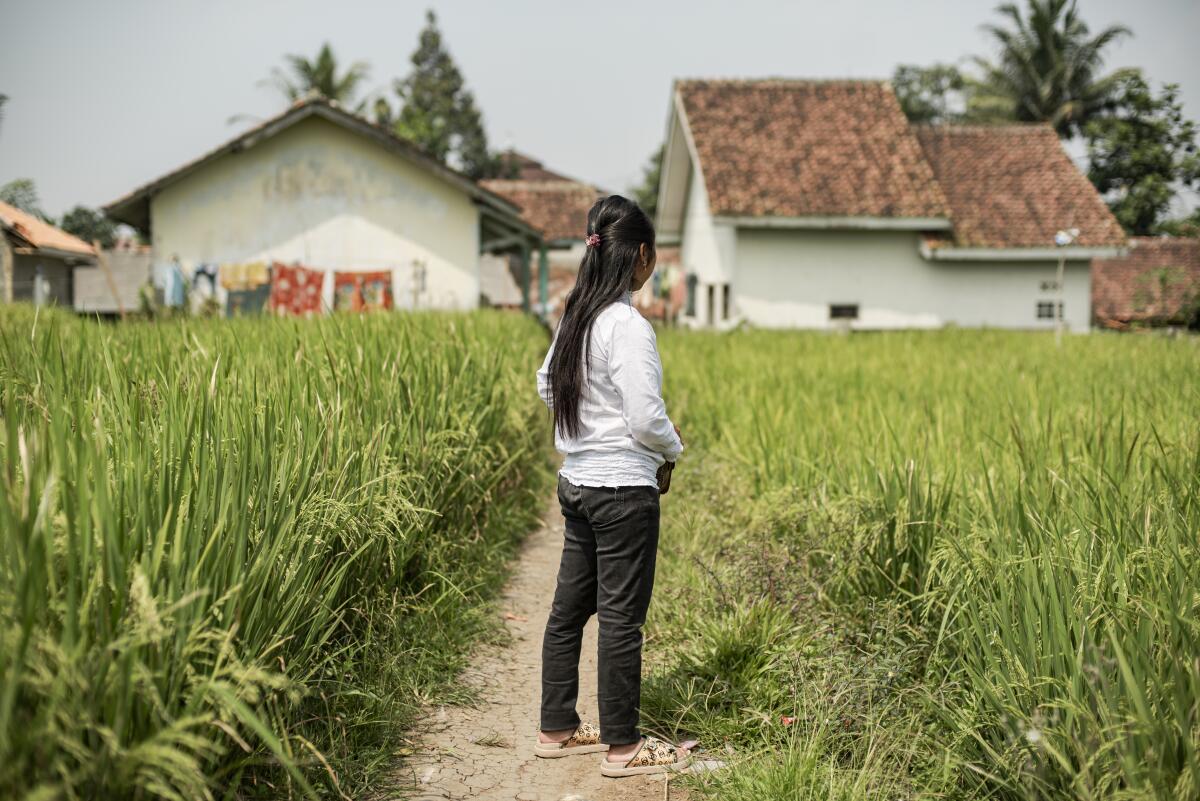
[[625, 751], [555, 735]]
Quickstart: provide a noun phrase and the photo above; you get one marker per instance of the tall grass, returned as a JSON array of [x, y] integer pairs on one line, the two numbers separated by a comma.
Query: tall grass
[[225, 546], [1024, 518]]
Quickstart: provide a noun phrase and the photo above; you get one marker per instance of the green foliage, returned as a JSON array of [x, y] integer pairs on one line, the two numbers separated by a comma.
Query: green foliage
[[931, 94], [646, 193], [236, 555], [1183, 226], [88, 225], [23, 194], [1048, 68], [321, 76], [1141, 152], [438, 112], [981, 547]]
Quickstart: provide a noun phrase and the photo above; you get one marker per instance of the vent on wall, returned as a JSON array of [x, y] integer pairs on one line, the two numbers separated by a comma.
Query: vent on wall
[[843, 311]]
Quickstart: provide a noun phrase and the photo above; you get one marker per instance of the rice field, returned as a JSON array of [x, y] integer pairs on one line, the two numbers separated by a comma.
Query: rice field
[[959, 564], [236, 555]]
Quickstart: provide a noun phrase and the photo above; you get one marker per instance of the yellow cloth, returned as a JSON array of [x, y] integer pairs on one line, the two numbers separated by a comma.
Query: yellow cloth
[[244, 276]]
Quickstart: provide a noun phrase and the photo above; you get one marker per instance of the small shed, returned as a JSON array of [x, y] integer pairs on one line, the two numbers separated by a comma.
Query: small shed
[[38, 260], [116, 286]]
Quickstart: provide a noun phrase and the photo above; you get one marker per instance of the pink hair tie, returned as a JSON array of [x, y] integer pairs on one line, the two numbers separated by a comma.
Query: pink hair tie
[[593, 240]]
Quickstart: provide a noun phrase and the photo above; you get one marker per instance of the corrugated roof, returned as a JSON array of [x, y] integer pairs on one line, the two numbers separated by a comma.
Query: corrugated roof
[[1013, 186], [41, 234], [804, 148]]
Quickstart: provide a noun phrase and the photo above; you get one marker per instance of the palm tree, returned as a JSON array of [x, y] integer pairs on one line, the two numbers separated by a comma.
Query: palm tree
[[320, 76], [1048, 69]]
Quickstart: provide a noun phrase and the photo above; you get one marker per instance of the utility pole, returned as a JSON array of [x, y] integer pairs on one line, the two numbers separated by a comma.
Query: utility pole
[[418, 281], [1062, 239]]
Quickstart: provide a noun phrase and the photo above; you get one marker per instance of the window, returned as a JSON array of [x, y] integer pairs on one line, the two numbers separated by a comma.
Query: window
[[711, 303], [1049, 286], [843, 311], [690, 304], [725, 301], [1045, 310]]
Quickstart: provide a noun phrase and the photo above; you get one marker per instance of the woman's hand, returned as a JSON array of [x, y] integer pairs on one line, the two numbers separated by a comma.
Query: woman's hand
[[678, 434], [664, 477]]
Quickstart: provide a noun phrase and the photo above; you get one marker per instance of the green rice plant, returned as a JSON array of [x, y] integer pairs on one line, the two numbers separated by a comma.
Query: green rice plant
[[1023, 518], [214, 533]]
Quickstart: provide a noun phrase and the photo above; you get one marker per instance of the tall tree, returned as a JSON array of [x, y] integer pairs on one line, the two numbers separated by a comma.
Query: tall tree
[[23, 194], [1141, 153], [646, 193], [438, 113], [1048, 68], [930, 94], [88, 225], [321, 76]]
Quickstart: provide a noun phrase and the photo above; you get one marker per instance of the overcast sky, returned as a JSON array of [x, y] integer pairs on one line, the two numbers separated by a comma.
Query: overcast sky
[[107, 95]]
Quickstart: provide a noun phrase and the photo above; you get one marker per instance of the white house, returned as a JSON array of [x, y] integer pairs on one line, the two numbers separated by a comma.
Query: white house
[[815, 204], [38, 261], [323, 188]]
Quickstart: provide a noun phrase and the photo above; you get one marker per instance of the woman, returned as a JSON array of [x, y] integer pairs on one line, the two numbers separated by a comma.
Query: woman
[[603, 380]]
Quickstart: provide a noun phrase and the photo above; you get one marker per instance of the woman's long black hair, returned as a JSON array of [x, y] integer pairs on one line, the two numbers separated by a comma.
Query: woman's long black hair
[[605, 274]]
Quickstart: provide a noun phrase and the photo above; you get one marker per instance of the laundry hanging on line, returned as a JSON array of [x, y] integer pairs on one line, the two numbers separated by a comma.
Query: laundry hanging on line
[[354, 291], [245, 276], [247, 288], [295, 290]]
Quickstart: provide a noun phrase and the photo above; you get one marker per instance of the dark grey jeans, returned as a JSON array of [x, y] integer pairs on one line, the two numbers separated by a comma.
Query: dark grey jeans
[[607, 569]]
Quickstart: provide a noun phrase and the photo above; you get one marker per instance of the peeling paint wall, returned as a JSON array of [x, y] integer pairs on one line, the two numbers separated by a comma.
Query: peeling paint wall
[[327, 198]]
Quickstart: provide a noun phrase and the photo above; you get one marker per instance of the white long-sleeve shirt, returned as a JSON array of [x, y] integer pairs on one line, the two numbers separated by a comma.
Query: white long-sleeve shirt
[[624, 432]]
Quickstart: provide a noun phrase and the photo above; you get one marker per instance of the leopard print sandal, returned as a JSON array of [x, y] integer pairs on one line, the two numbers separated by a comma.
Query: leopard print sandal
[[655, 756], [585, 740]]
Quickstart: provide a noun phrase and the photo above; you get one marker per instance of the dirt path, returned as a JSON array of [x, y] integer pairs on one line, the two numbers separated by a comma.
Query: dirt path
[[487, 752]]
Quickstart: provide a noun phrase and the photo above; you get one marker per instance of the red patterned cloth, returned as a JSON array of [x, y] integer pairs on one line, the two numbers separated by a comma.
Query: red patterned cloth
[[362, 291], [295, 290]]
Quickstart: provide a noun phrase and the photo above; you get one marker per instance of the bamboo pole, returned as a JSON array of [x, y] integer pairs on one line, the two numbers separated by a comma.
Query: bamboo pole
[[102, 260]]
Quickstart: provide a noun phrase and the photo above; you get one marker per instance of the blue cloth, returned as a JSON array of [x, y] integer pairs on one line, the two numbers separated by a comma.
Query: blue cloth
[[173, 292]]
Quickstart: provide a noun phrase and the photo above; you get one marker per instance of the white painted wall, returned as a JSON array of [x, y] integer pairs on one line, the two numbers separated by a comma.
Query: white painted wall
[[330, 199], [707, 249], [788, 278]]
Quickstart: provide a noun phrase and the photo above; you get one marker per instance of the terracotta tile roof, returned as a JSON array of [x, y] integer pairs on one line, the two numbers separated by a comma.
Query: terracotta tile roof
[[803, 148], [557, 208], [1012, 186], [1158, 281], [40, 234], [530, 169]]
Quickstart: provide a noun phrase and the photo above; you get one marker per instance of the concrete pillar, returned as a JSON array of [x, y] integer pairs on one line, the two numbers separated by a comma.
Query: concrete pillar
[[543, 282], [526, 269]]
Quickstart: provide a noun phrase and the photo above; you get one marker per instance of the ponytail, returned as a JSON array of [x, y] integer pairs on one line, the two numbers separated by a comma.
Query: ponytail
[[616, 230]]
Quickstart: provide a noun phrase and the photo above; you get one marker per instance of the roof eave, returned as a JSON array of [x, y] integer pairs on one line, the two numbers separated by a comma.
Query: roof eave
[[56, 253], [825, 222], [955, 253]]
